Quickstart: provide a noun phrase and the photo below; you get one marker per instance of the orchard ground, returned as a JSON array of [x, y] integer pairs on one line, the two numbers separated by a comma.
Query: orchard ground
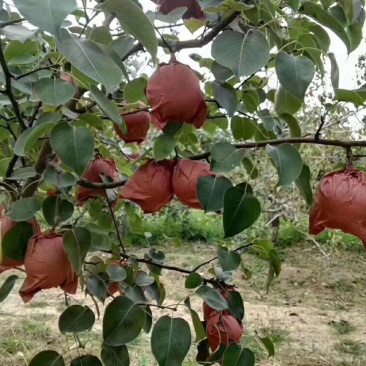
[[314, 312]]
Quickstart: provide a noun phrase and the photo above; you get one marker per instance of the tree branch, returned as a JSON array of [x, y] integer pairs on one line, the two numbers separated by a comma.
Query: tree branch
[[11, 22], [194, 43], [88, 184], [290, 140], [8, 91], [249, 145]]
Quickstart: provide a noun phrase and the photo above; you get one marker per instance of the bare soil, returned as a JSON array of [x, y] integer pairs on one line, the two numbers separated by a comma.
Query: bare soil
[[315, 312]]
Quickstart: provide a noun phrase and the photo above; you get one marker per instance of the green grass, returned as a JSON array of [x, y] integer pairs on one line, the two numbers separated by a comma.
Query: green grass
[[341, 285], [351, 347], [38, 304], [343, 327]]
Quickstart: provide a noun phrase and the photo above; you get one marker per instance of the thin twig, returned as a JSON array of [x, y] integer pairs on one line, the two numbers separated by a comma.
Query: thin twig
[[315, 242], [35, 70], [165, 42], [8, 90], [116, 227], [246, 246]]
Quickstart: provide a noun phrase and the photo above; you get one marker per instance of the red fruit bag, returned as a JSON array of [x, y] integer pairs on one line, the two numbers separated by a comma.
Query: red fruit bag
[[174, 93], [223, 329], [137, 124], [340, 203], [47, 265], [193, 7], [185, 179], [151, 185], [93, 173]]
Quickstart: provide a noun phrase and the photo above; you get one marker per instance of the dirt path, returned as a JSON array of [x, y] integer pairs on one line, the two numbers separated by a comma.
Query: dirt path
[[315, 313]]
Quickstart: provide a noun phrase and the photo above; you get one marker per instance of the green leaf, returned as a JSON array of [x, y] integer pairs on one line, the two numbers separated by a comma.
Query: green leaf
[[221, 73], [326, 19], [357, 97], [292, 123], [58, 179], [228, 260], [212, 298], [115, 356], [73, 145], [334, 70], [30, 137], [15, 242], [100, 238], [122, 45], [143, 279], [241, 210], [250, 98], [54, 92], [4, 163], [116, 273], [56, 210], [268, 344], [123, 321], [355, 31], [52, 15], [86, 360], [101, 35], [95, 60], [18, 32], [75, 319], [163, 146], [244, 54], [198, 327], [23, 173], [134, 21], [170, 341], [235, 355], [211, 190], [242, 128], [97, 287], [236, 305], [7, 286], [270, 276], [193, 280], [250, 168], [107, 107], [136, 294], [76, 244], [295, 73], [285, 102], [288, 162], [24, 209], [263, 247], [47, 358], [134, 91], [303, 183], [225, 157], [275, 261], [225, 94]]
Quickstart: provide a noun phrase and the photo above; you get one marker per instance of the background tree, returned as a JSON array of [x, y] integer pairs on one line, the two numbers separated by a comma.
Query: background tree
[[80, 119]]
